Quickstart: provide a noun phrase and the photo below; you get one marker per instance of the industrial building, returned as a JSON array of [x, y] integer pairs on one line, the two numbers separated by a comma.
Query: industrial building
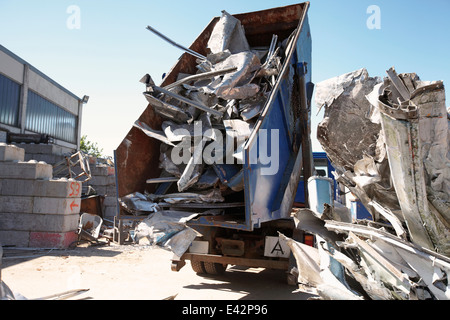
[[33, 103]]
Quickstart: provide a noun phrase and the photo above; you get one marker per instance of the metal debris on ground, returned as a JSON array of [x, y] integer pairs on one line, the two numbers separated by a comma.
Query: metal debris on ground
[[89, 226], [206, 119], [388, 141], [168, 230]]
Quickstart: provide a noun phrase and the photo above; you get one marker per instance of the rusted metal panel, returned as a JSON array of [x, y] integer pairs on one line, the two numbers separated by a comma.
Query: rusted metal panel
[[93, 204], [137, 157]]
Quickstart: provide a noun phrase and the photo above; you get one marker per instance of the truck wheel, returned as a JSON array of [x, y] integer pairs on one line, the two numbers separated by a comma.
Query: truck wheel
[[215, 268], [198, 267]]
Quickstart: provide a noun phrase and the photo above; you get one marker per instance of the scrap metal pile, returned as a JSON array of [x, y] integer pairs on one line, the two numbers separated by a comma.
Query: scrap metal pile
[[207, 118], [389, 143]]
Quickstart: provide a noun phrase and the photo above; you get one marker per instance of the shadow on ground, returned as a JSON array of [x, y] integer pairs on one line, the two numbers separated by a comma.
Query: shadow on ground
[[13, 256], [248, 281]]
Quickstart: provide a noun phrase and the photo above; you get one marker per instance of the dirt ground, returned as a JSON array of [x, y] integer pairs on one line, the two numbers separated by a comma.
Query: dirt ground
[[132, 272]]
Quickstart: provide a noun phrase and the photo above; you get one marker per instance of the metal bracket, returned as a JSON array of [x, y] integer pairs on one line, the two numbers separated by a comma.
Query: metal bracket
[[302, 68], [67, 166], [404, 111]]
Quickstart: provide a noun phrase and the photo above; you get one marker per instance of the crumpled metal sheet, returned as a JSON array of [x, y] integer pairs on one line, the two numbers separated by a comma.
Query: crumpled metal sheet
[[345, 133], [138, 204], [352, 140], [166, 163], [167, 229], [420, 170], [194, 167], [167, 110], [236, 84], [365, 126], [237, 133], [308, 262], [209, 179], [435, 143], [198, 129], [208, 196], [411, 259], [385, 266], [389, 143], [315, 273], [252, 107], [228, 34], [156, 134], [5, 292]]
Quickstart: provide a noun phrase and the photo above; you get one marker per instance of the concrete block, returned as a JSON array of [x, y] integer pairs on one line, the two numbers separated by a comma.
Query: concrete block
[[11, 153], [38, 222], [102, 170], [41, 148], [40, 205], [16, 204], [99, 170], [111, 191], [14, 238], [101, 190], [64, 206], [47, 158], [102, 181], [60, 240], [55, 188], [25, 170]]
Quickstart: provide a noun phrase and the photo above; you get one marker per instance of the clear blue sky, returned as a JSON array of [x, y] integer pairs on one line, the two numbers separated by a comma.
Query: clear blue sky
[[112, 50]]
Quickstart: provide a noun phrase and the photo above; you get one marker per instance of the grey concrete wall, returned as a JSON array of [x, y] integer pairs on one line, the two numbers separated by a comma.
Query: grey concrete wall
[[49, 153], [31, 78], [36, 210]]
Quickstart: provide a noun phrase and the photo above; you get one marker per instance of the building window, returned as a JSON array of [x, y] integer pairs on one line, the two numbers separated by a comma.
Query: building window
[[45, 117], [9, 101]]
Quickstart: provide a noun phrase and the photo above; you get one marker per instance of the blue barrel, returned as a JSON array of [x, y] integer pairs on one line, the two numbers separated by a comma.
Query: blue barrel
[[320, 192]]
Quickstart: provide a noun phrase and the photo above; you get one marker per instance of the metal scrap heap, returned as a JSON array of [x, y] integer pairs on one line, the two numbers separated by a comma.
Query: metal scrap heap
[[207, 119], [389, 143]]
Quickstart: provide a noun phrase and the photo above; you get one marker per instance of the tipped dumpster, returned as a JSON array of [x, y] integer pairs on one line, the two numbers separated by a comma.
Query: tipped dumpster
[[223, 142]]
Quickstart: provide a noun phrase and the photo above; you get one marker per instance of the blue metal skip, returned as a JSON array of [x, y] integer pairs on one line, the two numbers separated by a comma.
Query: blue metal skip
[[274, 153]]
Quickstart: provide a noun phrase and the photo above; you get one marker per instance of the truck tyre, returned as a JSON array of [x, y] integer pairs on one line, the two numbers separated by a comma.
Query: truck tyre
[[198, 267], [215, 268]]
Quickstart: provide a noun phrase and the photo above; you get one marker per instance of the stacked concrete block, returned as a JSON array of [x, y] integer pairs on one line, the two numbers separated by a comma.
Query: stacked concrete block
[[49, 153], [11, 153], [103, 181], [35, 209]]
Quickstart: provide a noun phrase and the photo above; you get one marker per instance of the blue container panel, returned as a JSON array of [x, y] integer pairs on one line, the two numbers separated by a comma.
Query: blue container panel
[[261, 186], [360, 212], [264, 193], [300, 195]]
